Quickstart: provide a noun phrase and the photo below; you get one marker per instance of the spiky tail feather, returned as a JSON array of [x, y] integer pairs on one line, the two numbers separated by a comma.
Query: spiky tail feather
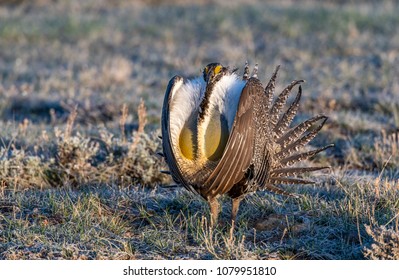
[[294, 133], [287, 118], [287, 180], [291, 171], [290, 140], [288, 161], [294, 146], [277, 190], [279, 103], [270, 89], [246, 72]]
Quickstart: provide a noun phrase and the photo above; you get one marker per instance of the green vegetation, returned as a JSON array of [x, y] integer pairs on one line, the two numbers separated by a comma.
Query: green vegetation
[[79, 174]]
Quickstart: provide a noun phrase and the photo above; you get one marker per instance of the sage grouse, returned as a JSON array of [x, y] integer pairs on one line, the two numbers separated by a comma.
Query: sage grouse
[[223, 134]]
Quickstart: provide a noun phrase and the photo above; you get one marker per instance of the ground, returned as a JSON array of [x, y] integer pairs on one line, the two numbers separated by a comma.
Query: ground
[[81, 88]]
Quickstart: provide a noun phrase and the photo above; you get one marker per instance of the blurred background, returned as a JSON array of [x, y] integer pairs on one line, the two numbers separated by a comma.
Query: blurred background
[[73, 75], [103, 53]]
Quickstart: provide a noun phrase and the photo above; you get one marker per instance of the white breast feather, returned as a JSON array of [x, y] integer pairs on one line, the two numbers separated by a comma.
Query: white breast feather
[[185, 100], [188, 97], [226, 96]]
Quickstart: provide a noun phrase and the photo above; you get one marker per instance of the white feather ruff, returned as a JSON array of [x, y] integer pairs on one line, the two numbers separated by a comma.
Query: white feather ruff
[[187, 98], [226, 96]]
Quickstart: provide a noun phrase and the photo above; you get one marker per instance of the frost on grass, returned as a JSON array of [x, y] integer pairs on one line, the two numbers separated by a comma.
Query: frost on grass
[[385, 245], [386, 151], [80, 159], [19, 169]]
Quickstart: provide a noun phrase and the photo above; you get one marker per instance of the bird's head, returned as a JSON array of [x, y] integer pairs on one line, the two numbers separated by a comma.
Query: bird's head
[[213, 70]]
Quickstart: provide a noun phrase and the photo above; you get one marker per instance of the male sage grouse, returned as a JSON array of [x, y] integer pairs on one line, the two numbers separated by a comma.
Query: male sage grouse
[[223, 134]]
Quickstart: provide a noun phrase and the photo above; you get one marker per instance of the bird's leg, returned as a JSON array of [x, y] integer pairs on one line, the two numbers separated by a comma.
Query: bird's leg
[[234, 209], [215, 209]]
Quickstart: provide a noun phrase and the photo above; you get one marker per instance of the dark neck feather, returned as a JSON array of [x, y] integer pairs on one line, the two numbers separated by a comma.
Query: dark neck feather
[[205, 103]]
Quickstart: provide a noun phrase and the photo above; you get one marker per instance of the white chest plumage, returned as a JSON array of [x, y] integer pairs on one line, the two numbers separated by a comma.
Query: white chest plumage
[[197, 142]]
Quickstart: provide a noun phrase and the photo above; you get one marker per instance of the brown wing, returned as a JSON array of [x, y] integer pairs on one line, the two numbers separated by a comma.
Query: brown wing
[[166, 142], [239, 149]]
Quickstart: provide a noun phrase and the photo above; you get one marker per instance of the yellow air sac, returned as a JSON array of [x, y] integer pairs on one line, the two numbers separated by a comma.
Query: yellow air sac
[[216, 136], [186, 143]]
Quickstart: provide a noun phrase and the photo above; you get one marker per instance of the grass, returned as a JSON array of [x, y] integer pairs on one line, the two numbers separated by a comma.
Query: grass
[[81, 88]]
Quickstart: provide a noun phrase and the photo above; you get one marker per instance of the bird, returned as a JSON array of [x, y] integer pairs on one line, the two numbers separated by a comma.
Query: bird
[[226, 134]]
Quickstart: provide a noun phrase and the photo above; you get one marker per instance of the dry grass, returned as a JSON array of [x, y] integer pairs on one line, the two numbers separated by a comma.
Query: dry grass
[[81, 85], [385, 245], [73, 159]]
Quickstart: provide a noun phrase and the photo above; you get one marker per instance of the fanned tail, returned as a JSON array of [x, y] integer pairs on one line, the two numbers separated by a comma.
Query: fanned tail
[[289, 141]]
